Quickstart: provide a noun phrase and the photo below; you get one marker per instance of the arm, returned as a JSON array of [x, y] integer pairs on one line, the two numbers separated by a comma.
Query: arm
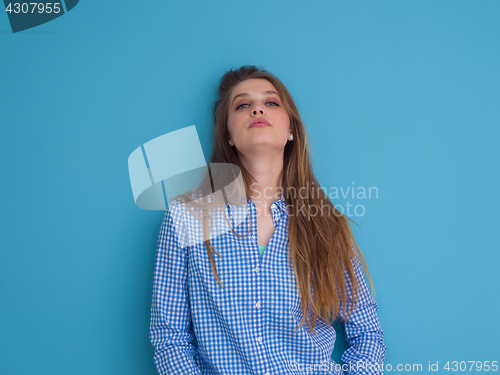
[[363, 331], [171, 327]]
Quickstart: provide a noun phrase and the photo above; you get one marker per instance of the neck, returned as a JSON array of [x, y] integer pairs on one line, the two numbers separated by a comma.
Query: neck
[[265, 168]]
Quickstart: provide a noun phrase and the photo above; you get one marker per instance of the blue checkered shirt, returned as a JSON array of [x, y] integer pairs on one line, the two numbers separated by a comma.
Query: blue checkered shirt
[[246, 328]]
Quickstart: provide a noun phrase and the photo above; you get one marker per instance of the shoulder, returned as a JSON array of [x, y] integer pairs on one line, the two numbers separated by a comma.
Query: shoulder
[[173, 223]]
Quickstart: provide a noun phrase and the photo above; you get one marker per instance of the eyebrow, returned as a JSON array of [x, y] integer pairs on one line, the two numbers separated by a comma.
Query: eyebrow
[[246, 94]]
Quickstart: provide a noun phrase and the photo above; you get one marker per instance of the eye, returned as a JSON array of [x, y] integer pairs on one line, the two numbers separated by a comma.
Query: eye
[[274, 104], [241, 106]]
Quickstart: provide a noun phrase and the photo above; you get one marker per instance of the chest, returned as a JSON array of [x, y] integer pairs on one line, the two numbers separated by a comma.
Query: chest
[[265, 226]]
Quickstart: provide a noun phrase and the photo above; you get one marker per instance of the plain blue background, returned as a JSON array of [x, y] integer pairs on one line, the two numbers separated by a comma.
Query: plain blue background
[[399, 95]]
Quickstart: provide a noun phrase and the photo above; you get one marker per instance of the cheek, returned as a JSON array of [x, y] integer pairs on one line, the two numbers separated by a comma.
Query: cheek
[[233, 121], [284, 119]]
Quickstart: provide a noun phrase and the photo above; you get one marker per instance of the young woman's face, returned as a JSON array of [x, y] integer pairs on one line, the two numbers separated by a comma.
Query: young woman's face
[[257, 118]]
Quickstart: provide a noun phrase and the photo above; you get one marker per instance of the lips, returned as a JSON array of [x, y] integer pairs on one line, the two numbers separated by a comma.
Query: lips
[[259, 123]]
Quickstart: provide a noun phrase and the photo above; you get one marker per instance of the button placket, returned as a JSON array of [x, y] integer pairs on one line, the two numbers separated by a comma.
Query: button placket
[[257, 294]]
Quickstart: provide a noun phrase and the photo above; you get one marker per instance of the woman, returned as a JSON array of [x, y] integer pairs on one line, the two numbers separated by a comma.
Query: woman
[[289, 257]]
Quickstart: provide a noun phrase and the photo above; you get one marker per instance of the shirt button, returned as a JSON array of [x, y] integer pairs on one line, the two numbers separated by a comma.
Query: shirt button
[[256, 269], [259, 339], [257, 305]]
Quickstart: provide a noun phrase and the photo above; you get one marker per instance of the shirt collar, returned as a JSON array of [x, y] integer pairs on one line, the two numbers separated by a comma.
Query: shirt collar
[[279, 204]]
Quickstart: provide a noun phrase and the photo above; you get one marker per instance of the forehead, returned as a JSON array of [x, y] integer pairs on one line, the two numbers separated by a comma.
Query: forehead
[[253, 86]]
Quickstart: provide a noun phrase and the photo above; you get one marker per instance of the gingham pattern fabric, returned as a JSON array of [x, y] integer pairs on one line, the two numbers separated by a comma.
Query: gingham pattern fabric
[[247, 327]]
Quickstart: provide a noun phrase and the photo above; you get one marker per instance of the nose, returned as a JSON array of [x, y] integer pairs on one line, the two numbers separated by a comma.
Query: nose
[[258, 109]]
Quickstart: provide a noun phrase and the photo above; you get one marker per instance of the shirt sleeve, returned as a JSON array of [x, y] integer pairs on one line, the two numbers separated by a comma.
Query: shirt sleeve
[[365, 339], [171, 327]]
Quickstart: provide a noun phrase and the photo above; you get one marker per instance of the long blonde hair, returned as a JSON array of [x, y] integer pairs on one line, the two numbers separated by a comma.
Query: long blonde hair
[[323, 261]]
